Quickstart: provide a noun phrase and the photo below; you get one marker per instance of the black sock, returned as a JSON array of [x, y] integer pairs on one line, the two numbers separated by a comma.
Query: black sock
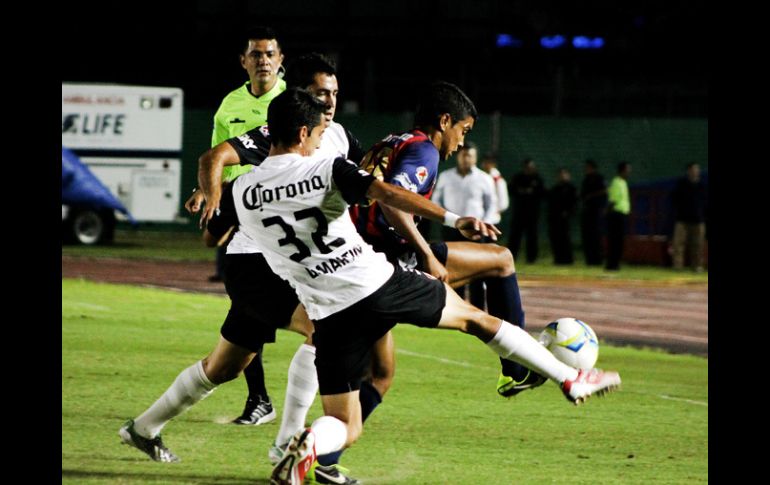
[[504, 301], [255, 379], [370, 398]]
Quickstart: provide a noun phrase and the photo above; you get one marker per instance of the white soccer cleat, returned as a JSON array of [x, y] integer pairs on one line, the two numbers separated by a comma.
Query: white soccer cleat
[[588, 382], [297, 460]]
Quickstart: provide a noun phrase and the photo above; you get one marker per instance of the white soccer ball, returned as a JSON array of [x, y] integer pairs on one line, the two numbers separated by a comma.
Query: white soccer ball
[[571, 341]]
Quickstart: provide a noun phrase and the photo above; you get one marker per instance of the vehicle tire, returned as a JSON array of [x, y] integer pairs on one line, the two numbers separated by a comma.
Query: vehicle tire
[[90, 226]]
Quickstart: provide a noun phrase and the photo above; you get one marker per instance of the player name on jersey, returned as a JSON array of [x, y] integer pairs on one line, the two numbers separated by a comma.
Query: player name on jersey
[[335, 263]]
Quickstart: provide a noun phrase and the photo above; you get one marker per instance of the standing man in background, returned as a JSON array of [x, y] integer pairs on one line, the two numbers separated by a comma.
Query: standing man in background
[[489, 165], [689, 204], [528, 189], [241, 110], [593, 196], [618, 209], [562, 202], [465, 189]]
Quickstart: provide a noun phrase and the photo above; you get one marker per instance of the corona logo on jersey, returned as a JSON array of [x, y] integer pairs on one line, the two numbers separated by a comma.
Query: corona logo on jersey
[[255, 196]]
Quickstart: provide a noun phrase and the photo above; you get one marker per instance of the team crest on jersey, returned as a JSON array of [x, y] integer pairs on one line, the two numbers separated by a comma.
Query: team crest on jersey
[[421, 173], [265, 132]]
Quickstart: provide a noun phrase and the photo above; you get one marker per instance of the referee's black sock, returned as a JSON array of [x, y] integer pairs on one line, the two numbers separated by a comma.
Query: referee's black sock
[[370, 398], [255, 379]]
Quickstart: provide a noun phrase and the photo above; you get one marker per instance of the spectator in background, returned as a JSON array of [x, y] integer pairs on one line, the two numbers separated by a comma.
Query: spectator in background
[[527, 190], [489, 165], [689, 204], [593, 196], [467, 190], [562, 202], [618, 209]]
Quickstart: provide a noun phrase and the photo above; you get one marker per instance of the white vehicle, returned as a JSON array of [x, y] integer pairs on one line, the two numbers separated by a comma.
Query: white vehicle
[[130, 137]]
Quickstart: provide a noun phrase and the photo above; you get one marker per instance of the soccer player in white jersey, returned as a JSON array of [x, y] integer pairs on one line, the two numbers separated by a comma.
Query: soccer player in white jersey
[[251, 283], [295, 207]]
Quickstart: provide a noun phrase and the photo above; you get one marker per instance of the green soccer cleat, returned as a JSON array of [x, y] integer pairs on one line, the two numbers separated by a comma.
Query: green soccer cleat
[[507, 387], [334, 474]]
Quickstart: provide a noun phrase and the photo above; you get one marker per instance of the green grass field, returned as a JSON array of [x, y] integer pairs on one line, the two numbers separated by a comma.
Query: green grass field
[[441, 423]]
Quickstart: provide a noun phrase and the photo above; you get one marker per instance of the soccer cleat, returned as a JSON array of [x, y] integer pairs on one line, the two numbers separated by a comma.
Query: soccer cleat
[[276, 452], [588, 382], [507, 387], [153, 447], [332, 474], [256, 412], [297, 460]]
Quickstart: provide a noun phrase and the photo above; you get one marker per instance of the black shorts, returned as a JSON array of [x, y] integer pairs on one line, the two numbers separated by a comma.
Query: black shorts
[[409, 260], [344, 340], [261, 301]]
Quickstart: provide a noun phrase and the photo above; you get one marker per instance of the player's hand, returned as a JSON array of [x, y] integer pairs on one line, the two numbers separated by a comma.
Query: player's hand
[[211, 209], [435, 268], [473, 229], [195, 202]]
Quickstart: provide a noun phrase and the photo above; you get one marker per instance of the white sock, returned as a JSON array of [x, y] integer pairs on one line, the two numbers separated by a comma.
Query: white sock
[[190, 386], [330, 435], [513, 343], [301, 389]]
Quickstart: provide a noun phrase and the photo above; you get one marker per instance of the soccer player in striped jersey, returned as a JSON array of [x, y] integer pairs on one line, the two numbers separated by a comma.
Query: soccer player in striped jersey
[[296, 208]]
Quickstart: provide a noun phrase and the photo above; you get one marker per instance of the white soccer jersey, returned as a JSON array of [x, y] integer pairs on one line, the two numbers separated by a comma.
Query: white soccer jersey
[[296, 210], [335, 143]]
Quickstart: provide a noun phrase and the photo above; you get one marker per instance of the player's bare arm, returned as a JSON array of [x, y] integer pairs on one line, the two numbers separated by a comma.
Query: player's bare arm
[[210, 166], [400, 198]]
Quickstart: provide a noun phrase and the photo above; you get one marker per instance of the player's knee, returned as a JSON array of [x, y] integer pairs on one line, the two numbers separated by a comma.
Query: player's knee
[[218, 372], [506, 265]]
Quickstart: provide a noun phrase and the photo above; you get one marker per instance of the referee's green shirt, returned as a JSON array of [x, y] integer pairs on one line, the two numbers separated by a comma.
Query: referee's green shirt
[[617, 193], [240, 112]]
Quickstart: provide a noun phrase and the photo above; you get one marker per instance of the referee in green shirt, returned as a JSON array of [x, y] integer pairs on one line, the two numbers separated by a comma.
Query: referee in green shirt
[[245, 108], [618, 209]]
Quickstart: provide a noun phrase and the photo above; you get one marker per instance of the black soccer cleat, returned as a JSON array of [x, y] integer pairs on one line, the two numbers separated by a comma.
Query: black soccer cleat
[[256, 412], [154, 448]]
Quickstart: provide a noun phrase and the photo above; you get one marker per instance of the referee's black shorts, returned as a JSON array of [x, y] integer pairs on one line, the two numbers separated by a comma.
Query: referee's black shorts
[[344, 340], [261, 301]]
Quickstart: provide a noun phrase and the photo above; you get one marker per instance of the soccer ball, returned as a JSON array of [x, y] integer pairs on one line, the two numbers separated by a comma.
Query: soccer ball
[[572, 342]]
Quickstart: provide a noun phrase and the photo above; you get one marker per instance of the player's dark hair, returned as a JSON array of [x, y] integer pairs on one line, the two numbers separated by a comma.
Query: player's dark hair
[[591, 163], [289, 112], [302, 70], [259, 32], [443, 97], [622, 166]]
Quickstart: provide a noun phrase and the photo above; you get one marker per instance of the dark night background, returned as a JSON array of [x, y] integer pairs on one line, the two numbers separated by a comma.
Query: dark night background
[[653, 62]]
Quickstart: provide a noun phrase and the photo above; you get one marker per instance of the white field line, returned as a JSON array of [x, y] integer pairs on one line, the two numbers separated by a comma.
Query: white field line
[[485, 367]]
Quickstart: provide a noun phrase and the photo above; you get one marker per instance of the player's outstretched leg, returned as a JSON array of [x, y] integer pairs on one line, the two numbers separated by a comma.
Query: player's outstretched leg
[[512, 343], [467, 261], [191, 386]]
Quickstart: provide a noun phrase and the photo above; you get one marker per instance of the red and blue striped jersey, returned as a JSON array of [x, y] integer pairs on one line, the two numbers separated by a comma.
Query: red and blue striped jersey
[[409, 160]]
